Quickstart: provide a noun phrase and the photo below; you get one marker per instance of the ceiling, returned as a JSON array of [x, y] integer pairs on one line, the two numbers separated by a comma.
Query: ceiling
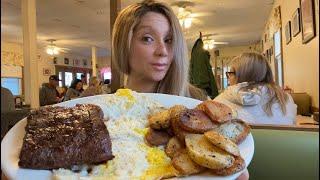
[[81, 24]]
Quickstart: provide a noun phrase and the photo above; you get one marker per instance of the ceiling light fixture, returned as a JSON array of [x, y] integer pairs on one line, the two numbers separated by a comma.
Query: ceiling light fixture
[[184, 13], [52, 49], [208, 44], [184, 17]]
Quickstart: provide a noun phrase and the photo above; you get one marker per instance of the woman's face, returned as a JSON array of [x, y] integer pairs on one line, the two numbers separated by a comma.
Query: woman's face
[[79, 86], [151, 48], [232, 76]]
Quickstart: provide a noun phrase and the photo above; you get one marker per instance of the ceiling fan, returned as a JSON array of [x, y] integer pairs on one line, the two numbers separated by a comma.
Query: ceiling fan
[[185, 14], [52, 49], [209, 43]]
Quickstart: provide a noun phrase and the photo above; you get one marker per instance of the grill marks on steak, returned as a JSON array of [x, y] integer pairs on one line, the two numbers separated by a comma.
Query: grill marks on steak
[[58, 137]]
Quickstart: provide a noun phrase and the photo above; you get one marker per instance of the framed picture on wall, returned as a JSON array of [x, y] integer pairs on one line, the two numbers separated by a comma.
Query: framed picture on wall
[[66, 60], [46, 72], [288, 32], [85, 63], [307, 20], [55, 60], [296, 23], [76, 62], [265, 37]]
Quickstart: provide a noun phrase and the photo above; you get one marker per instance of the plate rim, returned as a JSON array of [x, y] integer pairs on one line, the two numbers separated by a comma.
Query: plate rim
[[11, 173]]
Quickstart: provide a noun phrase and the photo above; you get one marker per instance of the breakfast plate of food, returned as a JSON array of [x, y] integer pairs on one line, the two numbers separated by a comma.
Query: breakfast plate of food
[[128, 135]]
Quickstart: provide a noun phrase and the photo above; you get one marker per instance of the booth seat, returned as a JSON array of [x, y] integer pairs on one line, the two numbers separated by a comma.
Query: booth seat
[[285, 154]]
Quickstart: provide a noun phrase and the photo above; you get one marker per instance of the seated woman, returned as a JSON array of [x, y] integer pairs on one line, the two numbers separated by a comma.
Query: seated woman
[[93, 89], [254, 94], [74, 90]]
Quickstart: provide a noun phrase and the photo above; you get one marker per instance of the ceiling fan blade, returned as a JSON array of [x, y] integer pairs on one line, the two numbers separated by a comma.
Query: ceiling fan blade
[[215, 42], [202, 14]]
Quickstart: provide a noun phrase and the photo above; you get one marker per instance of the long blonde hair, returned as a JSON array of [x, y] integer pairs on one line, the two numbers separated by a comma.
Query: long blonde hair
[[254, 68], [94, 81], [176, 80]]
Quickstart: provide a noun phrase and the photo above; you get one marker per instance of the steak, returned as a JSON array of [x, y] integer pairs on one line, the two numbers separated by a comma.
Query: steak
[[60, 137]]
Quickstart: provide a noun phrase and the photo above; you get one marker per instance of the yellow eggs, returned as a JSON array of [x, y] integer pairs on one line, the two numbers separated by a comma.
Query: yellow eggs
[[159, 164], [126, 93], [142, 132]]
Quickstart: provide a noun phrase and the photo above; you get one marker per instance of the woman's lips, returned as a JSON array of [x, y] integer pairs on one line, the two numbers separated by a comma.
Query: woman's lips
[[159, 66]]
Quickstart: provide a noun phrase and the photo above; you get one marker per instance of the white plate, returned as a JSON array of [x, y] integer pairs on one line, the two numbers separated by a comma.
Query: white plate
[[12, 142]]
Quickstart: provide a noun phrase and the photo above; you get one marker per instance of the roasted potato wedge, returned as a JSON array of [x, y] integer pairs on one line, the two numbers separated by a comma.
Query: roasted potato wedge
[[160, 120], [178, 131], [217, 112], [157, 137], [238, 165], [176, 110], [206, 154], [236, 130], [182, 162], [222, 142], [173, 146], [195, 121]]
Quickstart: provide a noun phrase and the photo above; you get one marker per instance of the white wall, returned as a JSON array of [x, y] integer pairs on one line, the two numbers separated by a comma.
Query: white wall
[[44, 61], [301, 61], [231, 51], [104, 61]]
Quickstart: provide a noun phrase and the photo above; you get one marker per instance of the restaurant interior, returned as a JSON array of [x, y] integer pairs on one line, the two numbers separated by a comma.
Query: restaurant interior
[[72, 38]]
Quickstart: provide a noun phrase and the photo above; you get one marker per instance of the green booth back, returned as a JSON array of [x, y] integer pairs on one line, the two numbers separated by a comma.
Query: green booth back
[[285, 154]]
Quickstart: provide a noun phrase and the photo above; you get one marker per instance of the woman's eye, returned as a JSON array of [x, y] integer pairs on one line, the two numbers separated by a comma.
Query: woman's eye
[[147, 39], [169, 40]]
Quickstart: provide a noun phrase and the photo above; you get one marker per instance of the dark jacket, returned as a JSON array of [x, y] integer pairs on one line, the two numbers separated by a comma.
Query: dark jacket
[[201, 74], [48, 95]]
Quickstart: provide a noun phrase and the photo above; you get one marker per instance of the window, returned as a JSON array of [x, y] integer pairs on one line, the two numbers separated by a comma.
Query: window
[[278, 65], [107, 75], [225, 82], [78, 75], [60, 77], [68, 78], [88, 77], [13, 84]]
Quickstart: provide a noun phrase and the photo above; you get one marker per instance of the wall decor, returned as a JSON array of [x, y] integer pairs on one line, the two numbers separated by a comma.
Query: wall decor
[[288, 32], [66, 60], [46, 71], [76, 62], [85, 63], [265, 38], [307, 20], [55, 60], [296, 23]]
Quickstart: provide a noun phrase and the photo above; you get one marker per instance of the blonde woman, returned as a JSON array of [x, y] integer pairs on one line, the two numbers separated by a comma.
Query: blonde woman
[[148, 46], [94, 87], [254, 94]]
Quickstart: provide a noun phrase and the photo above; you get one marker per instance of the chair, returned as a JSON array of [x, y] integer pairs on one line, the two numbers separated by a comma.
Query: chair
[[9, 114], [303, 101], [285, 154]]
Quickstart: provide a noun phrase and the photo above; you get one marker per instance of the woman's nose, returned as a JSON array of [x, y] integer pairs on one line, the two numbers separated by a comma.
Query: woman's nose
[[161, 49]]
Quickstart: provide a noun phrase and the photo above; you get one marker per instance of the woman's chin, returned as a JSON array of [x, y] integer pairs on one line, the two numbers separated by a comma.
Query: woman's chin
[[158, 77]]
